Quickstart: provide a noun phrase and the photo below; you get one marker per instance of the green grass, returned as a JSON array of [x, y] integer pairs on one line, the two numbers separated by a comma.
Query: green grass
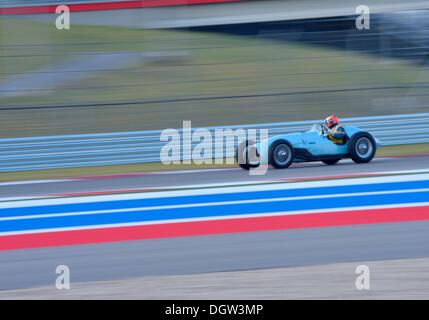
[[404, 150], [102, 170], [216, 66]]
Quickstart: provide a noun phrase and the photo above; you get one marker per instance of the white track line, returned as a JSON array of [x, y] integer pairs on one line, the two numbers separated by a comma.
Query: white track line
[[20, 198], [17, 183]]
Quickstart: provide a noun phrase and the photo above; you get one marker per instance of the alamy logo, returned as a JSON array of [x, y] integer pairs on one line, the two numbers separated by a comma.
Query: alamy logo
[[63, 280], [63, 20], [217, 146], [362, 21], [363, 280]]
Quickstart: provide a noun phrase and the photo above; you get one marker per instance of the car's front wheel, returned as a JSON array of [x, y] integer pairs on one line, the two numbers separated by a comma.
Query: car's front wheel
[[244, 156], [281, 154], [362, 147]]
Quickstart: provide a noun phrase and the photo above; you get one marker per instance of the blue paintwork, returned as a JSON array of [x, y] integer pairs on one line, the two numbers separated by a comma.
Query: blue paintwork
[[312, 140]]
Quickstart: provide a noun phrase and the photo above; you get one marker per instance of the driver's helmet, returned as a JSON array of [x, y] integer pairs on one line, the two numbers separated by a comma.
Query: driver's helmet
[[332, 121]]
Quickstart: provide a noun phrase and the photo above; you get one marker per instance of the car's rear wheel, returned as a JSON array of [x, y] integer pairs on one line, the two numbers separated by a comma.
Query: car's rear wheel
[[362, 147], [243, 155], [281, 154], [331, 161]]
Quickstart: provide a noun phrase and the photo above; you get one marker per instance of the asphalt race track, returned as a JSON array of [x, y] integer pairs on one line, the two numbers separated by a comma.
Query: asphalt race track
[[28, 268], [205, 177], [191, 255]]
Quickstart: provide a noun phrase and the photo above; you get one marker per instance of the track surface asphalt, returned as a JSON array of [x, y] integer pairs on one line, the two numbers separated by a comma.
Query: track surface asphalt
[[206, 177], [191, 255]]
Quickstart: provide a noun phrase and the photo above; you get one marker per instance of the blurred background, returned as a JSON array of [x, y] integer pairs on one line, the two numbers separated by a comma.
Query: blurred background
[[142, 65]]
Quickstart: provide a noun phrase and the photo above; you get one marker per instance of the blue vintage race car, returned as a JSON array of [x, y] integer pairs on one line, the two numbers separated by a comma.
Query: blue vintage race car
[[282, 150]]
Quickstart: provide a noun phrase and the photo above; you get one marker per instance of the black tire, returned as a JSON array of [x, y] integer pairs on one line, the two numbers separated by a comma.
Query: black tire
[[362, 147], [239, 152], [331, 162], [278, 160]]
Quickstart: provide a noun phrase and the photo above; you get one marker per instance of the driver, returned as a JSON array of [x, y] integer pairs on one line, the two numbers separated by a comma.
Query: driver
[[336, 133]]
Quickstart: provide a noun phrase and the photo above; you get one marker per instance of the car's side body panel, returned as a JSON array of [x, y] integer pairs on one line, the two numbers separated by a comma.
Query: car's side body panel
[[311, 145]]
